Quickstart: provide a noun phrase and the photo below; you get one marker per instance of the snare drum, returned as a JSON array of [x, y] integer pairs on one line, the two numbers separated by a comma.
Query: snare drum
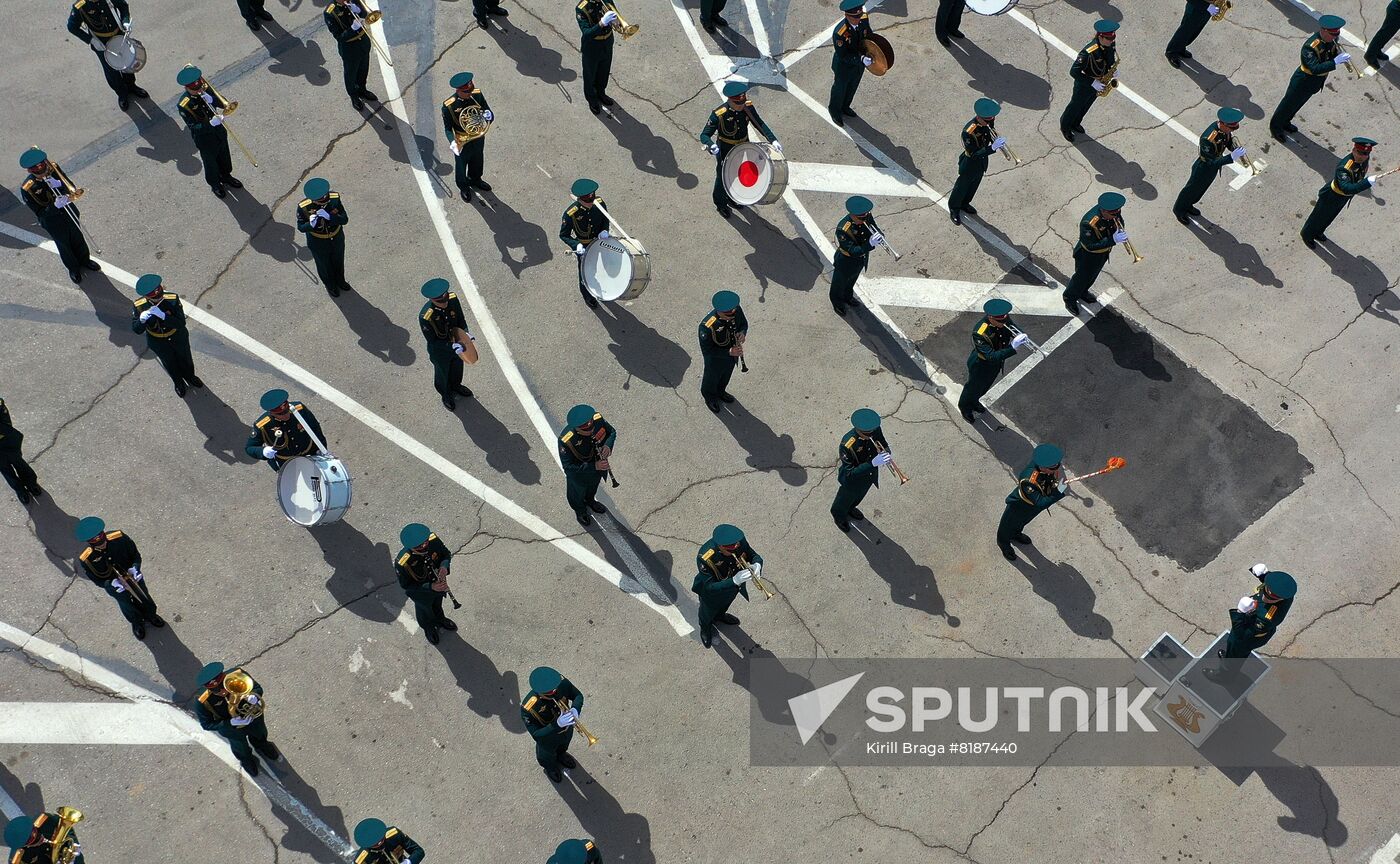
[[125, 55], [616, 268], [990, 7], [755, 174], [313, 490]]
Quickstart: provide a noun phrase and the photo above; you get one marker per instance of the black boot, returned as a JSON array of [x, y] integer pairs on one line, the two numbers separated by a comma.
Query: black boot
[[447, 624], [567, 761]]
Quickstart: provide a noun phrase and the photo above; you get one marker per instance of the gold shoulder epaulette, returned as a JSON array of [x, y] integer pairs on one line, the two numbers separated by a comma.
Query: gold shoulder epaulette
[[390, 833], [1269, 616], [597, 416], [364, 853], [403, 559], [140, 302], [86, 553], [30, 182], [841, 29], [572, 210], [849, 443], [1314, 43], [1348, 165], [114, 535], [451, 295], [184, 100], [297, 406], [583, 5], [1214, 133], [431, 536], [304, 202], [982, 329], [567, 436], [204, 697], [709, 322], [1093, 221], [335, 195], [80, 4], [588, 844], [720, 111], [448, 101], [1092, 48], [530, 703], [428, 313], [264, 420], [709, 553], [171, 295], [971, 128]]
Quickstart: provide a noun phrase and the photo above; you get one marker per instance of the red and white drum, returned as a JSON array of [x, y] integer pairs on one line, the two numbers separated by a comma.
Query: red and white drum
[[755, 173]]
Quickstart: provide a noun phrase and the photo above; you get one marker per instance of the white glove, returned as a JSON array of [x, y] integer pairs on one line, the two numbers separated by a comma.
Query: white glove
[[324, 214], [714, 149], [314, 220], [1098, 85], [1259, 570], [882, 459], [54, 182], [117, 584], [269, 453], [253, 699], [146, 316], [999, 143], [1019, 339], [777, 145], [1237, 154], [356, 26], [1061, 487], [208, 100], [457, 347], [566, 719], [1373, 179], [1342, 58], [1213, 9], [603, 235], [216, 121], [240, 721], [158, 312], [455, 148], [866, 60], [1120, 236], [134, 573], [757, 568], [743, 576], [579, 249], [608, 18], [489, 115], [1247, 605], [62, 201], [876, 239], [356, 9], [97, 44]]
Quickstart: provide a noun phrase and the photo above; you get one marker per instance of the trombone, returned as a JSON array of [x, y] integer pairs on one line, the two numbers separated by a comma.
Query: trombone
[[578, 724], [903, 478], [372, 17], [74, 193], [744, 562], [225, 112]]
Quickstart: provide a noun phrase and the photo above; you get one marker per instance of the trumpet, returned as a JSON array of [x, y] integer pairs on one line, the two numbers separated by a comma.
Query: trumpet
[[885, 241], [1010, 156], [578, 724], [1128, 244], [744, 562], [1245, 160], [65, 846], [239, 687], [894, 468], [1017, 331], [1108, 80], [372, 17], [1224, 6]]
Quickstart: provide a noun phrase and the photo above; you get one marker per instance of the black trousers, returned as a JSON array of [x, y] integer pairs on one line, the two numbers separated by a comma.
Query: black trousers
[[1376, 49], [249, 9], [354, 60], [1329, 206], [429, 615], [1193, 21], [175, 357], [719, 196], [970, 172], [845, 82], [845, 269], [1014, 520], [137, 611], [1202, 175], [579, 490], [850, 493], [1080, 101], [1087, 267], [1301, 88], [243, 739], [17, 472], [447, 370], [481, 7], [120, 82], [948, 17], [213, 150], [72, 245], [329, 254], [597, 66], [709, 9], [470, 162], [547, 749], [981, 375], [719, 368]]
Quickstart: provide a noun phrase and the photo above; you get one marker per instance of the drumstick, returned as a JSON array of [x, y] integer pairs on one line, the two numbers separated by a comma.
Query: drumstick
[[612, 221], [317, 441]]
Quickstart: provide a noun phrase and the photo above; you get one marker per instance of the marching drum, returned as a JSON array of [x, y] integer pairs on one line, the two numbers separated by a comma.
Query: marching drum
[[314, 490], [125, 55], [755, 174], [880, 52], [990, 7], [616, 268]]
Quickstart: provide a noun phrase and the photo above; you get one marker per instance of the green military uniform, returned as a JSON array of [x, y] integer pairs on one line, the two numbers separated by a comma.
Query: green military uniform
[[727, 128], [439, 326], [1316, 61], [41, 193], [979, 141], [847, 62], [1193, 21], [472, 160], [720, 577], [417, 565], [1096, 230], [991, 347], [32, 837], [92, 19], [114, 564], [162, 319], [577, 851], [1375, 51], [1094, 61], [1250, 631], [1037, 488], [1217, 149], [381, 844], [200, 108], [581, 225], [354, 47], [283, 435], [854, 240], [596, 47], [13, 466], [858, 466], [216, 715], [321, 217], [551, 695], [721, 331], [580, 449], [1349, 179], [709, 14]]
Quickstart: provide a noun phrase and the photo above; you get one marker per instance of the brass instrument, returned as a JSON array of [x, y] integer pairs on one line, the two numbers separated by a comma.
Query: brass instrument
[[65, 847], [903, 478], [1010, 156], [239, 687], [1128, 244], [1245, 160], [223, 113], [744, 562], [1108, 80], [578, 724], [472, 122], [372, 17], [620, 26], [1017, 331], [1224, 6], [74, 193]]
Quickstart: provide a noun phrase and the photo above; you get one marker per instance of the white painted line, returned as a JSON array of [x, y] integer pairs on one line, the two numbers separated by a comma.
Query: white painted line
[[1389, 853], [850, 179], [407, 619], [1061, 336], [180, 722], [135, 723], [760, 33], [1127, 92], [956, 296], [9, 806], [395, 436]]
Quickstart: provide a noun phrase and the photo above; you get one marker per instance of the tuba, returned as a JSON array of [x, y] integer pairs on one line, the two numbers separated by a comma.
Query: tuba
[[241, 700], [65, 845]]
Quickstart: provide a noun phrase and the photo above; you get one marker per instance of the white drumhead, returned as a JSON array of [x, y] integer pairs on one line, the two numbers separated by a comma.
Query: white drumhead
[[748, 172], [295, 491], [990, 7], [607, 269]]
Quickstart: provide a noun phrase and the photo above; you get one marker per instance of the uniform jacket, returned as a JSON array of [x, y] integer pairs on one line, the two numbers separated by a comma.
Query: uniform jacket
[[1216, 146], [452, 106], [212, 709], [40, 196], [396, 846], [11, 439], [285, 436], [322, 230], [197, 113], [437, 324], [1350, 177], [41, 852], [155, 327], [849, 42], [90, 18], [855, 455], [589, 14], [977, 140], [539, 712], [717, 334], [732, 126], [1093, 61], [578, 452], [991, 344], [1036, 488], [1318, 57], [581, 224], [1256, 628], [103, 565], [417, 573], [714, 573], [853, 238], [339, 21], [1096, 232]]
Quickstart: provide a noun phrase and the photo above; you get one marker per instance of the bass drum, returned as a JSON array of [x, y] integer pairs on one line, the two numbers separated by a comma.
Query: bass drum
[[880, 52], [125, 55], [755, 174], [616, 268], [991, 7], [313, 490]]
